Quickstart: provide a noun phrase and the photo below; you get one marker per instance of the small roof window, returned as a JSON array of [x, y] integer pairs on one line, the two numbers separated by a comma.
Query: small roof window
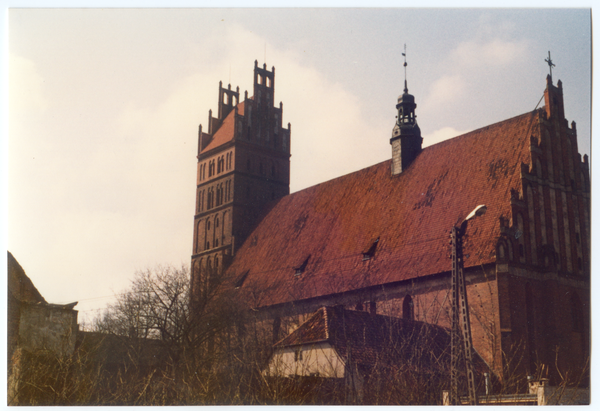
[[367, 255], [300, 269], [240, 281]]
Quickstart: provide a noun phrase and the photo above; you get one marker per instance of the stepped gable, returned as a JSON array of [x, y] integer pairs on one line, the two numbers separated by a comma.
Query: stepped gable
[[225, 133], [315, 242]]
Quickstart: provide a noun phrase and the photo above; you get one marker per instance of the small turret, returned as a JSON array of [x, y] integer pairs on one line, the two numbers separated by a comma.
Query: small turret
[[406, 138]]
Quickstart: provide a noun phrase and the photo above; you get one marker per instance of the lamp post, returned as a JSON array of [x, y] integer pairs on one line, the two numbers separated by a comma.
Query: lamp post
[[461, 326]]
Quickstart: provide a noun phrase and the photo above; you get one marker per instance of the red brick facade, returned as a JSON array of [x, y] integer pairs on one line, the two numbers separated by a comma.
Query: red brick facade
[[377, 241], [243, 164]]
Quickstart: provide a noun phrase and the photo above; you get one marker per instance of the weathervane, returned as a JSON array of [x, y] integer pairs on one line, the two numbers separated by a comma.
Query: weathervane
[[404, 54], [550, 63]]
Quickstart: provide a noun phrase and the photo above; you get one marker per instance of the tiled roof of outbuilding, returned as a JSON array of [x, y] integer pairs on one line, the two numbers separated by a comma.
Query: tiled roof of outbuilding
[[334, 223], [367, 337]]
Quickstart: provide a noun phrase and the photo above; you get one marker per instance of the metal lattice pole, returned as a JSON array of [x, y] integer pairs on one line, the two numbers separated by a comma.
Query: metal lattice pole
[[456, 344], [460, 308]]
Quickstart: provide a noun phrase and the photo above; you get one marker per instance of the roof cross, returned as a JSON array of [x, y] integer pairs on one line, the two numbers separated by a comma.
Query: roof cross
[[550, 63]]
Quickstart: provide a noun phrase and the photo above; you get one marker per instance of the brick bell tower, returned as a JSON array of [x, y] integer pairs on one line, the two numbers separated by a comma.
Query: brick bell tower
[[243, 165]]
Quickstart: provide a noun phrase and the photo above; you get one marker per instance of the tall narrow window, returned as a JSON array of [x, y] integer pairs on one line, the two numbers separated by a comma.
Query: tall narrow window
[[408, 312]]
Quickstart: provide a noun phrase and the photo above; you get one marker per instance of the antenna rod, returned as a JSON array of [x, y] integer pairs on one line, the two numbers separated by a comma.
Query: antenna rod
[[405, 84]]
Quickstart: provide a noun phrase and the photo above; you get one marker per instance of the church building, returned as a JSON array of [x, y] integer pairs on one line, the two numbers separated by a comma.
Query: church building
[[377, 240]]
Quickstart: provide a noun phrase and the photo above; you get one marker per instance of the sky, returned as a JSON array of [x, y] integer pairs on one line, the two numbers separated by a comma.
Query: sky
[[104, 107]]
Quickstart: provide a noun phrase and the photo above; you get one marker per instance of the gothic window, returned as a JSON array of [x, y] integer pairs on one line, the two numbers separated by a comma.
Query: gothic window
[[210, 199], [519, 237], [249, 165], [211, 168], [217, 222], [275, 141], [408, 312], [268, 81], [200, 236], [501, 252], [260, 168]]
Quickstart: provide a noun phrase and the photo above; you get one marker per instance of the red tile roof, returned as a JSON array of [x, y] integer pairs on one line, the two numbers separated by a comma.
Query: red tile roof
[[368, 338], [412, 213], [225, 133]]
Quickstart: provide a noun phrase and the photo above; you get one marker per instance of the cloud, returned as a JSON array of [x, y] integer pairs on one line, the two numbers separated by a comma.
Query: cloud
[[119, 180], [447, 89], [496, 53]]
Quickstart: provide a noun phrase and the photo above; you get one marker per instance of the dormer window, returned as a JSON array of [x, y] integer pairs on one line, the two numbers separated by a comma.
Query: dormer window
[[367, 255], [299, 270], [240, 281]]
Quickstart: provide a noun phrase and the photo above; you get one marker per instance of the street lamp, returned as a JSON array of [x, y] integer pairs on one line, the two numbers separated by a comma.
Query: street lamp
[[461, 326]]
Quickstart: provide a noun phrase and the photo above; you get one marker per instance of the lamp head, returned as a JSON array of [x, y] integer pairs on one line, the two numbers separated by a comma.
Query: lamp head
[[479, 211]]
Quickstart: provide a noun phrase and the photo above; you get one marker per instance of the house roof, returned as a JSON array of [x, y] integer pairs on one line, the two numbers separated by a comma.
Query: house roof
[[332, 224], [368, 338], [225, 133], [21, 286]]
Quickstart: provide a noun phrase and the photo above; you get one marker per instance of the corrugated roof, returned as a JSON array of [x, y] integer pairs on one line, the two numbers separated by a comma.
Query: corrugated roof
[[411, 214], [225, 133]]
